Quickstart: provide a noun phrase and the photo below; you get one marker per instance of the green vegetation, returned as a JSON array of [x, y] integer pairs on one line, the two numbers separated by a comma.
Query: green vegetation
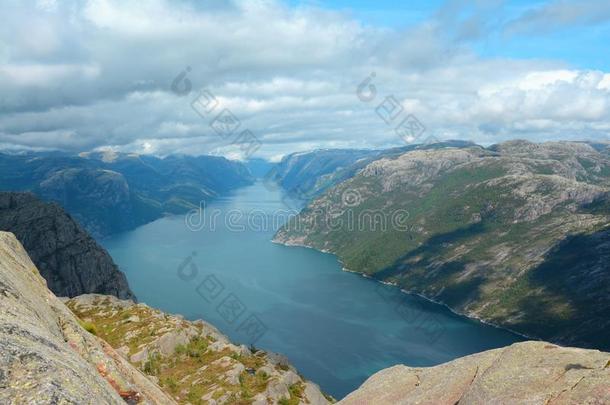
[[152, 366], [193, 370], [296, 395], [88, 326]]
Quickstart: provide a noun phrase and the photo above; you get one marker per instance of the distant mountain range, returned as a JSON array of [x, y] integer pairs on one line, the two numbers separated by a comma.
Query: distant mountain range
[[111, 192], [304, 175], [517, 234]]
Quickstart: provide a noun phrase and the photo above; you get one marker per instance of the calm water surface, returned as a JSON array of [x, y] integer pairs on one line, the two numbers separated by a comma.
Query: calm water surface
[[337, 328]]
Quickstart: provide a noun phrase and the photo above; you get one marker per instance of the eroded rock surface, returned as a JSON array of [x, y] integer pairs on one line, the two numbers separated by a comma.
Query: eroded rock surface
[[524, 373], [46, 357]]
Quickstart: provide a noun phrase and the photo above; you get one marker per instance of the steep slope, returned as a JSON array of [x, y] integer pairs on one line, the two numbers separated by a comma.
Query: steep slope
[[46, 356], [524, 373], [70, 260], [305, 175], [193, 361], [498, 234], [111, 192]]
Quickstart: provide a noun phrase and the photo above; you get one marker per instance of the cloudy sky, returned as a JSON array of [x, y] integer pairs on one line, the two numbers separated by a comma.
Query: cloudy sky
[[81, 75]]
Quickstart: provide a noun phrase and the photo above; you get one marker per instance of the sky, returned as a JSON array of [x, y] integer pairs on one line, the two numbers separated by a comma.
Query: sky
[[263, 78]]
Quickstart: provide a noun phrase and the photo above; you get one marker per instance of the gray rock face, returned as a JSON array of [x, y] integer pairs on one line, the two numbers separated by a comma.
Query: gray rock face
[[46, 357], [67, 257], [524, 373]]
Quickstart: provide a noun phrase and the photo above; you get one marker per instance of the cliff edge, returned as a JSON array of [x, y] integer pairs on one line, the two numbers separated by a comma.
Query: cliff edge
[[71, 261], [523, 373], [46, 356]]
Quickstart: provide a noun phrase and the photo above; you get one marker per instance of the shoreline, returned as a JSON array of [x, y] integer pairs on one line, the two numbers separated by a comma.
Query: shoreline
[[412, 293]]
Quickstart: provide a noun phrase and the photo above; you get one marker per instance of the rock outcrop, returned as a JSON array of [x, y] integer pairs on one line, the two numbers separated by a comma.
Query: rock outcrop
[[46, 357], [524, 373], [193, 361], [71, 261]]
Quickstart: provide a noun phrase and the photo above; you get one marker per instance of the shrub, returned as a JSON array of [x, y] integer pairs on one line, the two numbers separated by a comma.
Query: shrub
[[171, 383], [152, 366], [89, 327]]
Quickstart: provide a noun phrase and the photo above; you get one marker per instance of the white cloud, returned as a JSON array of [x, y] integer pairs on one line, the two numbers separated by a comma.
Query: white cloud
[[103, 77]]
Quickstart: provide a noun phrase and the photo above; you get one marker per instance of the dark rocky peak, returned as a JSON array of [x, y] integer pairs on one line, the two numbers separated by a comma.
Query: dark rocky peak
[[71, 261]]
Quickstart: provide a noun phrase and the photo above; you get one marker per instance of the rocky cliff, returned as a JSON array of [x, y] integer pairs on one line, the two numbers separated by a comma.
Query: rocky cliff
[[524, 373], [70, 260], [46, 357], [517, 234], [117, 351]]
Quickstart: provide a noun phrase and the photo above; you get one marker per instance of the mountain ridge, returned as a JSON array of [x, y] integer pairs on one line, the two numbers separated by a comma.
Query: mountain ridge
[[479, 226], [110, 192]]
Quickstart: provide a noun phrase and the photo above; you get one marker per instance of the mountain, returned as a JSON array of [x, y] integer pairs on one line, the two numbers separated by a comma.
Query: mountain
[[524, 373], [259, 167], [517, 234], [110, 192], [305, 175], [309, 173], [70, 260], [115, 351]]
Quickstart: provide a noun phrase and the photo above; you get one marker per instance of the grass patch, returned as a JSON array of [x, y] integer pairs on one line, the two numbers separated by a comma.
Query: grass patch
[[88, 326], [297, 392]]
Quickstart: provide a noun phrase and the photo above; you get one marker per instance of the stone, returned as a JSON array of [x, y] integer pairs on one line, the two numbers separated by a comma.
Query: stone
[[217, 346], [313, 394], [277, 390], [266, 370], [232, 375], [45, 353], [528, 372], [140, 356], [289, 378], [71, 261], [167, 343]]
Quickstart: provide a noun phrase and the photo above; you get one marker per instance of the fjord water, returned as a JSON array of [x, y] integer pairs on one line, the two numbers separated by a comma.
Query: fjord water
[[337, 328]]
